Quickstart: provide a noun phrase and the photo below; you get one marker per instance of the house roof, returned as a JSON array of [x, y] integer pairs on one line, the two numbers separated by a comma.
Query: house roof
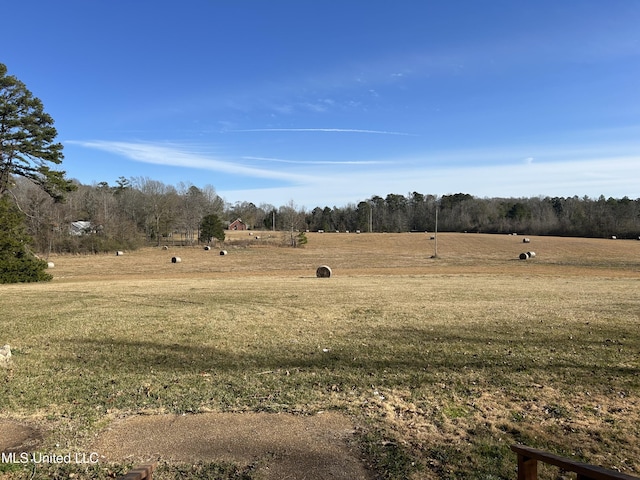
[[79, 227]]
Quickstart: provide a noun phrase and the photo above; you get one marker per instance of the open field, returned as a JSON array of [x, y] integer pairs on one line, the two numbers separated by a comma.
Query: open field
[[440, 364]]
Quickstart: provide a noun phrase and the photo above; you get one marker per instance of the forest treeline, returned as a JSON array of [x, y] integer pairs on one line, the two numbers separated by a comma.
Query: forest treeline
[[141, 211]]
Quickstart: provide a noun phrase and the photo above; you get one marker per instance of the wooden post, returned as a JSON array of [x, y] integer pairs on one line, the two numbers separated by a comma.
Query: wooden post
[[143, 472], [527, 468], [528, 458]]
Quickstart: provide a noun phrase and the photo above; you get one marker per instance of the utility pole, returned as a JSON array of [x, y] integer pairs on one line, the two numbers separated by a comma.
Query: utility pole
[[435, 235]]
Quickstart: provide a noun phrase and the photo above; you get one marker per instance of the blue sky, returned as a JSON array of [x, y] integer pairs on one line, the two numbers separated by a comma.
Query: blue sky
[[330, 102]]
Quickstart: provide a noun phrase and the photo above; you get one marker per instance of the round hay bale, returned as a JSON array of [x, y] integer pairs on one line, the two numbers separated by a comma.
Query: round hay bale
[[207, 248], [526, 240], [50, 265], [523, 256], [531, 254], [165, 247], [5, 353], [119, 253], [223, 252], [323, 271], [176, 259]]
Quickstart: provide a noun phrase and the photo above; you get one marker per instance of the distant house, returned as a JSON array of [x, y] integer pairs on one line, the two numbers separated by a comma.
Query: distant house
[[81, 228], [237, 225]]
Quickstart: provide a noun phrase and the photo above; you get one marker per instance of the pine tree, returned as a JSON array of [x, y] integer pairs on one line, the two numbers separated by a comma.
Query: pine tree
[[211, 227], [27, 140], [27, 149], [17, 262]]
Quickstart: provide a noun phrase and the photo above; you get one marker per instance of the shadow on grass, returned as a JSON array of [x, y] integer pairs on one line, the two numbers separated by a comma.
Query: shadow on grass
[[380, 350], [95, 374]]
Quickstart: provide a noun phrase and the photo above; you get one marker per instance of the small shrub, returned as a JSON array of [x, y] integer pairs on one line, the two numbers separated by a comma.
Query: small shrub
[[301, 239]]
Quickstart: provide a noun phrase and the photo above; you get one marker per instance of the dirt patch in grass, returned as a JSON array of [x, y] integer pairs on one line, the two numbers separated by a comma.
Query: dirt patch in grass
[[277, 446], [18, 437]]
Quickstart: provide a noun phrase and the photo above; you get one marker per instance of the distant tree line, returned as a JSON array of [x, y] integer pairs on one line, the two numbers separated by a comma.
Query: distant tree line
[[141, 211], [562, 216], [134, 212]]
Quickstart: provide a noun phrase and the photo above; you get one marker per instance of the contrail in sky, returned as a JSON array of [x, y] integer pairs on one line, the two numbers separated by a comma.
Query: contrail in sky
[[315, 162], [339, 130]]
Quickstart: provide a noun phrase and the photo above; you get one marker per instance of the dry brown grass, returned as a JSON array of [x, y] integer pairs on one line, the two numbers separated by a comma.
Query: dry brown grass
[[365, 254], [444, 362]]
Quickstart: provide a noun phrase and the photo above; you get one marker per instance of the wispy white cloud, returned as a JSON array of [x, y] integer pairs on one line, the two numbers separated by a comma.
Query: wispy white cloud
[[609, 176], [178, 156], [331, 130], [320, 105], [556, 171], [315, 162]]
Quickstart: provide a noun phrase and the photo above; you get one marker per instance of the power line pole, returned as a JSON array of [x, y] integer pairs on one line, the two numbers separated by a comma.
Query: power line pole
[[435, 235]]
